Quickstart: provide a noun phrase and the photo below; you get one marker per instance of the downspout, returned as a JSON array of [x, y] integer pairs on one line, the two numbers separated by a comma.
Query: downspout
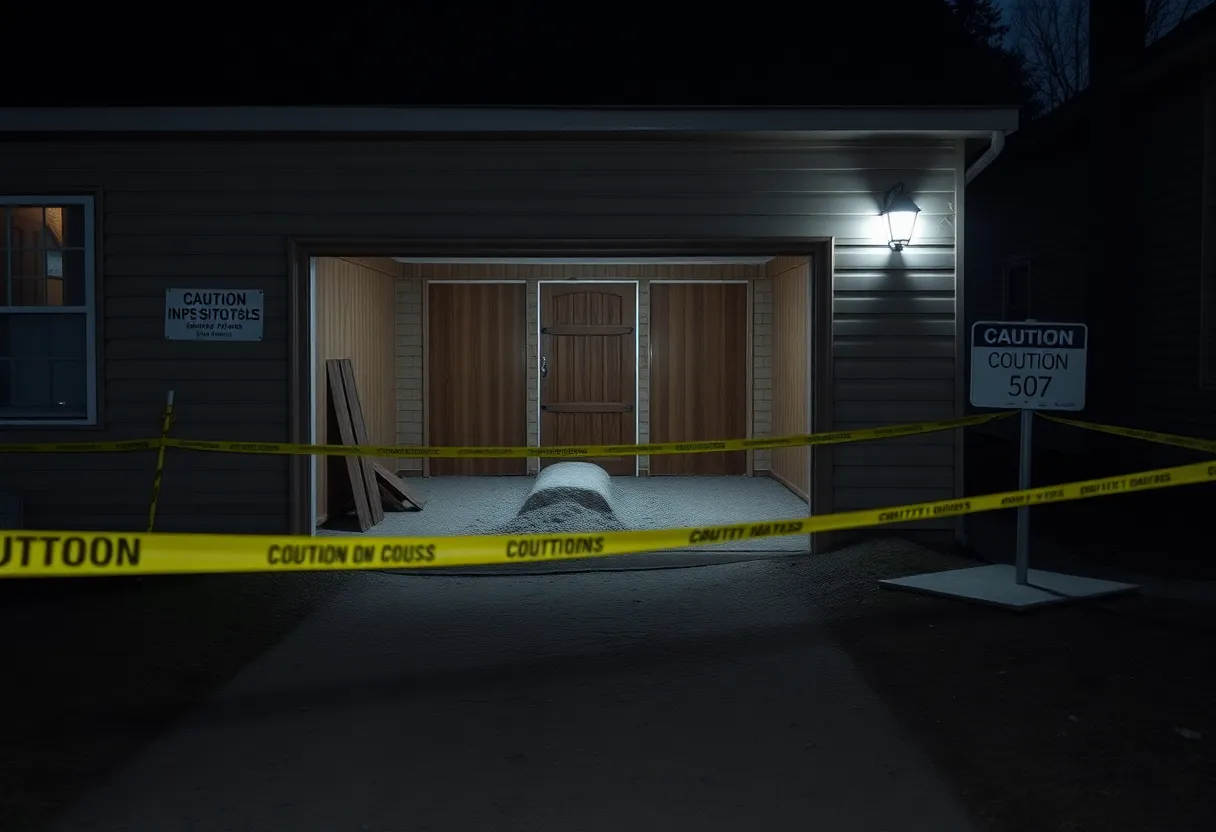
[[987, 158], [994, 150]]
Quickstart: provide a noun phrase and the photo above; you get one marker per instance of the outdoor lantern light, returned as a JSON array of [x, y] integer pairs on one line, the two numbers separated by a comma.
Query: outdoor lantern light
[[900, 212]]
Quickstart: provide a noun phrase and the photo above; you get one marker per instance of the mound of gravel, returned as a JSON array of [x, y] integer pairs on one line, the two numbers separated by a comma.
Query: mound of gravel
[[561, 516], [567, 497]]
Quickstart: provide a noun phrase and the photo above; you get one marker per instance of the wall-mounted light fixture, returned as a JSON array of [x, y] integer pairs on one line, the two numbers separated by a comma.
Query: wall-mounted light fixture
[[900, 212]]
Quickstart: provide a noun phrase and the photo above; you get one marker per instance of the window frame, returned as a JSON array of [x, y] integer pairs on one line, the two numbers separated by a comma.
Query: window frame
[[88, 309], [1207, 244], [1011, 265]]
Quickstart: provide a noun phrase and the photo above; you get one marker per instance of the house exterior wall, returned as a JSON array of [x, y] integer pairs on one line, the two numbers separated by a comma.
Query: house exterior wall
[[1161, 266], [220, 214], [1208, 312], [1009, 221], [1168, 392]]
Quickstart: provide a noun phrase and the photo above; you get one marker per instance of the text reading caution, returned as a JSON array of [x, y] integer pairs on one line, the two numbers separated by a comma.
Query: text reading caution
[[1029, 366], [213, 315]]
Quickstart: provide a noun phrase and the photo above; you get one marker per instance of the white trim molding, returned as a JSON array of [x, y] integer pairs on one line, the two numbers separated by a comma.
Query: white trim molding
[[947, 122]]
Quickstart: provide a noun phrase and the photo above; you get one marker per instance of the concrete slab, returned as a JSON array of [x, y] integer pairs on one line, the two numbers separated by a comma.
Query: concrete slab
[[996, 585]]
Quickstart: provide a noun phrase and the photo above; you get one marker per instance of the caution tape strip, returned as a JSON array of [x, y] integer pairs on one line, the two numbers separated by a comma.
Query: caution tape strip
[[549, 452], [36, 554], [80, 447], [1206, 445]]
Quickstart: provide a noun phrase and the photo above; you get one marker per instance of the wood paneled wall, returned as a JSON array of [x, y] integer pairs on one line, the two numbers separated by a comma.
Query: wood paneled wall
[[477, 374], [409, 367], [356, 319], [791, 278], [698, 373]]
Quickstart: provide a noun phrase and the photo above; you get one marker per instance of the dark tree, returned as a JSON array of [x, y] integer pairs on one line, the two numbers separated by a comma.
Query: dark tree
[[983, 23], [1054, 37]]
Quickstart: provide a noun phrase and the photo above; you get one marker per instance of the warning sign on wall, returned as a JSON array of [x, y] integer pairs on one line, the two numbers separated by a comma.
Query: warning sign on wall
[[213, 315]]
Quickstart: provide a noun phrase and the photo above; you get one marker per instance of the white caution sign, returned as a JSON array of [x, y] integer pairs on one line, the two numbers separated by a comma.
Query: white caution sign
[[1028, 366], [213, 315]]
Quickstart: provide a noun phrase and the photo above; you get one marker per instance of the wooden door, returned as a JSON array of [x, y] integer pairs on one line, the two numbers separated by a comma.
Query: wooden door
[[698, 373], [588, 387], [477, 380]]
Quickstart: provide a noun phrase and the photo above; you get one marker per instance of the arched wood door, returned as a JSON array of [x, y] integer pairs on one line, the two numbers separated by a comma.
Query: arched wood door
[[588, 386]]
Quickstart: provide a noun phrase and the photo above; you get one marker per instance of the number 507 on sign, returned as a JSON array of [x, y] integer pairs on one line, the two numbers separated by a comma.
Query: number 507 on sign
[[1028, 366]]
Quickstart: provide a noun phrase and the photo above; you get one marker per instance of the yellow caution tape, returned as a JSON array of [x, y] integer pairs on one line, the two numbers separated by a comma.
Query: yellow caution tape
[[36, 554], [569, 451], [79, 447], [1206, 445], [552, 451]]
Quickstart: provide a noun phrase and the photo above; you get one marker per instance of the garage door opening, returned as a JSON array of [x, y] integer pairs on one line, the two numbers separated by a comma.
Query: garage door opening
[[540, 352]]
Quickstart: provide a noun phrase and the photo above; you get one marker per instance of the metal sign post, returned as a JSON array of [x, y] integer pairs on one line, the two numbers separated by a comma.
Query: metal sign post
[[1022, 552], [1027, 366]]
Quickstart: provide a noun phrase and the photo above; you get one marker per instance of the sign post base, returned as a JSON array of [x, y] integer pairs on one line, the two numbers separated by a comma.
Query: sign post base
[[996, 585], [1031, 366]]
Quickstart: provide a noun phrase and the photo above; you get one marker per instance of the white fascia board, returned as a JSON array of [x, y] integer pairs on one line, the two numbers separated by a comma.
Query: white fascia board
[[846, 121]]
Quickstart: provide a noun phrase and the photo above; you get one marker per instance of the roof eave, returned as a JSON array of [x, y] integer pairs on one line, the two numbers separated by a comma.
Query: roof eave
[[955, 121]]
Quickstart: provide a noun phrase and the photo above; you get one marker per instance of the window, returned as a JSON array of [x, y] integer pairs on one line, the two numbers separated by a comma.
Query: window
[[1207, 275], [1015, 291], [48, 371]]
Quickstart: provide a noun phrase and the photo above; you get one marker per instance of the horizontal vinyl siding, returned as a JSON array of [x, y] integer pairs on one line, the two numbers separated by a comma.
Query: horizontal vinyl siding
[[894, 342], [422, 189], [219, 215]]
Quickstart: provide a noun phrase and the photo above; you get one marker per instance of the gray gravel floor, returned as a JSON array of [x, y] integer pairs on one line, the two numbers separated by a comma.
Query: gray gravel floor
[[481, 505]]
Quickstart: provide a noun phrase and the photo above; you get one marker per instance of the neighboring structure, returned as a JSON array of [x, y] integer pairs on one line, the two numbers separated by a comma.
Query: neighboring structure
[[1104, 212], [124, 203]]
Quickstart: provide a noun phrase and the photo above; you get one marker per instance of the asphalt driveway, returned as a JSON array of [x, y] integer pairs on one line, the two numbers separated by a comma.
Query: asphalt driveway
[[774, 694]]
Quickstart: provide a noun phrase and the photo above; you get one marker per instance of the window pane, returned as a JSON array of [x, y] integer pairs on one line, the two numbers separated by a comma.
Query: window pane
[[71, 279], [47, 278], [39, 336], [65, 226], [26, 226], [70, 385], [43, 389], [41, 271], [31, 385], [26, 263]]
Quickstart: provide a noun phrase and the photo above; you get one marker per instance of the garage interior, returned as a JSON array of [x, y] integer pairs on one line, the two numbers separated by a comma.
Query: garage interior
[[541, 352]]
